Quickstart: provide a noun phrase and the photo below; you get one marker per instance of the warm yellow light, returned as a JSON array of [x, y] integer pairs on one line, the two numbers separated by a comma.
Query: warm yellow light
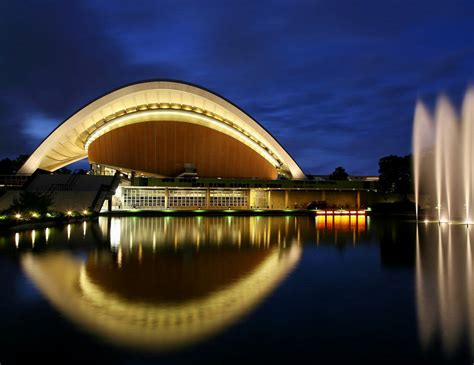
[[35, 215], [17, 216], [69, 212], [85, 212], [196, 118]]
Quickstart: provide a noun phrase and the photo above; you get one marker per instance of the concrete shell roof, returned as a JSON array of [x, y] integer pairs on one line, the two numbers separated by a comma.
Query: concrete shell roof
[[155, 101]]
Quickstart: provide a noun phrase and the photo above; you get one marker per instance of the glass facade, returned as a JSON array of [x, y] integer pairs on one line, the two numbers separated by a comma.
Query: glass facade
[[261, 199], [131, 197], [142, 198], [187, 198], [228, 198]]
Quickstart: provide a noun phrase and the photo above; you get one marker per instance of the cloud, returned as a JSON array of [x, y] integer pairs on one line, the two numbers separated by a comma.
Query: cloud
[[31, 123], [334, 81]]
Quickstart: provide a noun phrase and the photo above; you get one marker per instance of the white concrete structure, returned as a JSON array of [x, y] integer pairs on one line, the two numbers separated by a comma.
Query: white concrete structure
[[155, 101]]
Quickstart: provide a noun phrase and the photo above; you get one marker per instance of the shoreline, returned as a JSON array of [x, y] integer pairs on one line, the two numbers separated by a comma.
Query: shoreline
[[196, 213], [45, 224]]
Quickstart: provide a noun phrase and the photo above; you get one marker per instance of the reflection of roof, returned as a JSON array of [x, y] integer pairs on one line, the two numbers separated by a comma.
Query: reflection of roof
[[171, 277], [158, 325], [155, 101]]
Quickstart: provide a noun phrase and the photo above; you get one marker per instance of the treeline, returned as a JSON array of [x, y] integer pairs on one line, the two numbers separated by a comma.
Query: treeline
[[9, 167], [395, 174]]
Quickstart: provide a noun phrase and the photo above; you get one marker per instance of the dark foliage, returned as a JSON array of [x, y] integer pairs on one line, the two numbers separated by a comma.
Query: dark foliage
[[339, 174], [403, 207], [8, 166], [63, 171], [31, 202], [396, 174]]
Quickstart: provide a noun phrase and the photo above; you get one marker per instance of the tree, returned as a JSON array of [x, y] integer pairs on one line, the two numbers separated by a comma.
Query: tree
[[63, 171], [339, 174], [31, 202], [395, 174], [8, 167]]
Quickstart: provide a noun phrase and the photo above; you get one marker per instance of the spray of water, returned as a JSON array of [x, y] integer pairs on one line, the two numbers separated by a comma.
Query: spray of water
[[443, 158], [422, 127]]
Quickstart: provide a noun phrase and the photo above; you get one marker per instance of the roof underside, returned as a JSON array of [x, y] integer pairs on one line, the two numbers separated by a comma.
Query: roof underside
[[154, 101]]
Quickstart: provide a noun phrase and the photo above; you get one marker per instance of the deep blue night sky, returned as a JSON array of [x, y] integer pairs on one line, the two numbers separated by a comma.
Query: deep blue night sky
[[335, 81]]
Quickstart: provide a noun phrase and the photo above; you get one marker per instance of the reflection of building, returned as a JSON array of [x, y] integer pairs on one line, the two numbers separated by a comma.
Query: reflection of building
[[126, 232], [150, 294], [179, 146], [445, 286]]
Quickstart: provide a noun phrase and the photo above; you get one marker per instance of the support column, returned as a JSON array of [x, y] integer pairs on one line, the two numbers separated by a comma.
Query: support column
[[109, 203], [286, 199], [269, 200], [208, 198], [167, 195], [358, 199]]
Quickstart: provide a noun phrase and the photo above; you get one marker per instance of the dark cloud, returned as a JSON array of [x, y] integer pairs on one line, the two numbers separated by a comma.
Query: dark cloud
[[335, 81]]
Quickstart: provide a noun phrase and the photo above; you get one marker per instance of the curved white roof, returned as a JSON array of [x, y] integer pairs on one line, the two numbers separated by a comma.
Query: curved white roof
[[155, 101]]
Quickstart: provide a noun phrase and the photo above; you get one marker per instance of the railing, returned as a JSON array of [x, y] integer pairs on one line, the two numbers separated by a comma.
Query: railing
[[106, 191], [13, 180]]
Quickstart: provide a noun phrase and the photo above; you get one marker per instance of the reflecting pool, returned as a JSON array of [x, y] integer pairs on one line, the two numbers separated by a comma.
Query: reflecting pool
[[176, 290]]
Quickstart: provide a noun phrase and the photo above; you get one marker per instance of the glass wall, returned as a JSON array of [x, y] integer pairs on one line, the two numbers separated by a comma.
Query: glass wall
[[142, 198], [228, 198], [187, 198], [130, 197]]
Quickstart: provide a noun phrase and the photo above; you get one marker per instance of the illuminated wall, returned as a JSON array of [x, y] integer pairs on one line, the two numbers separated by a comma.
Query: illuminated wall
[[163, 148]]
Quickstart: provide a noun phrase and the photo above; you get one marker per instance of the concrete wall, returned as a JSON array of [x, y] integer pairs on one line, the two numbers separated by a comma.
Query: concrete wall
[[42, 183], [7, 199], [69, 192], [62, 200], [277, 199]]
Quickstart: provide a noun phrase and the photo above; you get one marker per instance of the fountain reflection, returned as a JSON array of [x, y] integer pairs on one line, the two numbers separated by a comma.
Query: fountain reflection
[[444, 286], [168, 282]]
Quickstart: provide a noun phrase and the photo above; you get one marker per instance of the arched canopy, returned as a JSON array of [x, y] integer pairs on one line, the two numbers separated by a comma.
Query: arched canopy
[[155, 101]]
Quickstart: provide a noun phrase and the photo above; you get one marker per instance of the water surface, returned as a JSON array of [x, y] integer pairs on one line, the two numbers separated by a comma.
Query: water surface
[[237, 289]]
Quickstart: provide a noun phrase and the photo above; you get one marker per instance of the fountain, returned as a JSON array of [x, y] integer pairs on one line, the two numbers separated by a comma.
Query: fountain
[[443, 155]]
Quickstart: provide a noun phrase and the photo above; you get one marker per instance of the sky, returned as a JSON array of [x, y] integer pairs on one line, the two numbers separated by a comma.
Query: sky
[[334, 81]]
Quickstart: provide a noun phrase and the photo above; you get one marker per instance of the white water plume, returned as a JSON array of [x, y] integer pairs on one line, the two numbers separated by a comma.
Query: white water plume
[[443, 157]]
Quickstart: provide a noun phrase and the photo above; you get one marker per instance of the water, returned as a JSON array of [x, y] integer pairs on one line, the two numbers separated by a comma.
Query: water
[[443, 158], [205, 290]]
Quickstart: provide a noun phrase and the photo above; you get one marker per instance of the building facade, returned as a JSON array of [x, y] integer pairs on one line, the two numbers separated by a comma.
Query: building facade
[[179, 146]]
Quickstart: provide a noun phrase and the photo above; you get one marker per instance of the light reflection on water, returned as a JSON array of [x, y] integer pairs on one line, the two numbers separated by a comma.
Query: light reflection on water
[[165, 283], [445, 287], [168, 282]]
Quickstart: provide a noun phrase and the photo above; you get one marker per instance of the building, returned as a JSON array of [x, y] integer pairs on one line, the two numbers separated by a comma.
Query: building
[[179, 146]]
